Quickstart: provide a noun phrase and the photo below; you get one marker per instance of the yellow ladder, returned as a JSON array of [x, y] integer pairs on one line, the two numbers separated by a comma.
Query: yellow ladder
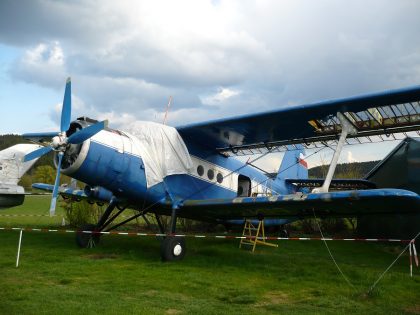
[[259, 238]]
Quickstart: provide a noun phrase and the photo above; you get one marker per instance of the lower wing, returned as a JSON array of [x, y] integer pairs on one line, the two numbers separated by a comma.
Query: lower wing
[[65, 192], [338, 204]]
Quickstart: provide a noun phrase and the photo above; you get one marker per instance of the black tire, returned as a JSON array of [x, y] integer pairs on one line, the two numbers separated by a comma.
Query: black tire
[[172, 248], [284, 233], [87, 240]]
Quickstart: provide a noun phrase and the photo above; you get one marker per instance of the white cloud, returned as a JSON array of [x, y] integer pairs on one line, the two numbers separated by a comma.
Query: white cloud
[[216, 58], [117, 119], [45, 54], [222, 95], [41, 64], [350, 158]]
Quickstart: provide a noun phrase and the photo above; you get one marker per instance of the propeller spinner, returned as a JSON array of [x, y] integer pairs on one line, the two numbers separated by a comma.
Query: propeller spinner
[[60, 142]]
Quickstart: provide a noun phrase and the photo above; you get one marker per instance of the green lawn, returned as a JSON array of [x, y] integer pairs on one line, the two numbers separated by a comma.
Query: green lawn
[[124, 275]]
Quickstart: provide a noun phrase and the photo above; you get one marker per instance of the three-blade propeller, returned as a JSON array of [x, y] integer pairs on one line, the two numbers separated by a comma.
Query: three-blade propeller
[[60, 141]]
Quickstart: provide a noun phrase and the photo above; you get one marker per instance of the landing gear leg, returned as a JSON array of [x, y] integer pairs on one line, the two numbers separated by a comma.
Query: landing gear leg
[[172, 248], [89, 240], [160, 225]]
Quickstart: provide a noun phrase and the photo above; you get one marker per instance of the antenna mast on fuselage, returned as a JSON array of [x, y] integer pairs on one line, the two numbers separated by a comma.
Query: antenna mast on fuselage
[[167, 110]]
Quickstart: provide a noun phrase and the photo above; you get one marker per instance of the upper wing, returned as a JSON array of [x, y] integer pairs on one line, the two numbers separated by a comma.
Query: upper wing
[[339, 204], [382, 113]]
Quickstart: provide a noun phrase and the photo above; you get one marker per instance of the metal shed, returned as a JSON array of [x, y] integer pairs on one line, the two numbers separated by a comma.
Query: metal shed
[[399, 169]]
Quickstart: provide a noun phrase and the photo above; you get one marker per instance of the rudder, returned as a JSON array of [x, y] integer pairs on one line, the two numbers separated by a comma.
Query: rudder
[[293, 165]]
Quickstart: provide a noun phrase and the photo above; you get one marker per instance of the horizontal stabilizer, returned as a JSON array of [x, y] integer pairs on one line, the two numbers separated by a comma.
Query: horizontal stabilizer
[[336, 184]]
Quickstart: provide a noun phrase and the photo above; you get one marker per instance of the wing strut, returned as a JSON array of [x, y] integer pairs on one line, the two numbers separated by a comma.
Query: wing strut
[[347, 129]]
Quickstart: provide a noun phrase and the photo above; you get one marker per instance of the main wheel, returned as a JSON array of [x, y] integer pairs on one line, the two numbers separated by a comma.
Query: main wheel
[[172, 248], [284, 233], [87, 240]]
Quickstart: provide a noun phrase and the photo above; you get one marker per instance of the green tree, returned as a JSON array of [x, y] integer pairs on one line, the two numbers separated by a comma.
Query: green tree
[[26, 182], [81, 212], [44, 174]]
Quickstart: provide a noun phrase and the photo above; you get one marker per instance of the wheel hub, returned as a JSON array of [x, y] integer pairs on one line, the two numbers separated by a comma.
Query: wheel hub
[[177, 250]]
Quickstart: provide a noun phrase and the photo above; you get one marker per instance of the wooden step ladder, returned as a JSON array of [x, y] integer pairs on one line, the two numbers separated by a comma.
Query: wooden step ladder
[[259, 238]]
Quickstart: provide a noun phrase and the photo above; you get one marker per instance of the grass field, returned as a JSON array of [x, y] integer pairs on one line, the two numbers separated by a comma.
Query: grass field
[[124, 275]]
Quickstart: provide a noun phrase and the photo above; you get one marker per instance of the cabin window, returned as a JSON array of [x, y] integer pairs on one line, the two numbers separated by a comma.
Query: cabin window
[[200, 170], [219, 178], [210, 174], [244, 186]]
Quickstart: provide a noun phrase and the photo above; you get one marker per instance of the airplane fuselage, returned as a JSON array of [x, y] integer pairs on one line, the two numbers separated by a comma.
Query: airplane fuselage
[[112, 160]]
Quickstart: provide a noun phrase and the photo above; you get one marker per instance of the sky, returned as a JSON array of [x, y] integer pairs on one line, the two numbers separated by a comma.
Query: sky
[[215, 58]]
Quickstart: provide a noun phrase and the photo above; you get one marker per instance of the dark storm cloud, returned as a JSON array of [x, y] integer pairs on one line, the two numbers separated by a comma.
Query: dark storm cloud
[[28, 22], [215, 58]]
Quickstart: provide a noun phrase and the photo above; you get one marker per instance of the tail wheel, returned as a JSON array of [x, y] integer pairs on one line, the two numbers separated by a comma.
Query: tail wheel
[[87, 240], [172, 248]]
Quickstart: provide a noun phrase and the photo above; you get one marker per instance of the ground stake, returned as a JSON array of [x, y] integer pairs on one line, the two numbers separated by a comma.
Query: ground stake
[[18, 253]]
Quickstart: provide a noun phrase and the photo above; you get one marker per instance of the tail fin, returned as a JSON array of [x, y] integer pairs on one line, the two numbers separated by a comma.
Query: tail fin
[[293, 164]]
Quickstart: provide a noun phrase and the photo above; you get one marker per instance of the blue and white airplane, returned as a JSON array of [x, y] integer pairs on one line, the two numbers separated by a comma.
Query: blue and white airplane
[[191, 171]]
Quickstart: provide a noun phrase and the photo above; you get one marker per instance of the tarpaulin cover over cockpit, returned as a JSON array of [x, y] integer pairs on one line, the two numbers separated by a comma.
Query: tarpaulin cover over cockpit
[[161, 148]]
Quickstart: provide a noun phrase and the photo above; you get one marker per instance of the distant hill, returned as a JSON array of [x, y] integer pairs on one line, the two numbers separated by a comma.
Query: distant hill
[[345, 170], [9, 140]]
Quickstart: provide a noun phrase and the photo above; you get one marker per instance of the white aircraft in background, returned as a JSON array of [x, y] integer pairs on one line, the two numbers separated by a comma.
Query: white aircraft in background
[[11, 170]]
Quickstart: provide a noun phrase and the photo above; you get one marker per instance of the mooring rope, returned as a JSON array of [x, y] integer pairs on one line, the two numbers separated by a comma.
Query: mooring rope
[[392, 264], [329, 251]]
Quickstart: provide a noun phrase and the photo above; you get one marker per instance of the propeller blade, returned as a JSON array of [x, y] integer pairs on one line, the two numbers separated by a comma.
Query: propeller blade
[[36, 154], [66, 110], [56, 184], [88, 132]]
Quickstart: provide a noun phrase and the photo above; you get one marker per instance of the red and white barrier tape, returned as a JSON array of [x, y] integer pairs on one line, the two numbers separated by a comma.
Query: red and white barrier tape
[[24, 215], [39, 215], [209, 236]]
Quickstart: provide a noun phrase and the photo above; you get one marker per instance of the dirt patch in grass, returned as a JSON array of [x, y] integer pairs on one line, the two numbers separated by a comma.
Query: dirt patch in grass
[[172, 311], [415, 309], [237, 297], [101, 256], [150, 293], [274, 298], [393, 249], [65, 281]]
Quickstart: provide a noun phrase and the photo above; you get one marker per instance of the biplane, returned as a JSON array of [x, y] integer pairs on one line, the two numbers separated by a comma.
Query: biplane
[[192, 171]]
